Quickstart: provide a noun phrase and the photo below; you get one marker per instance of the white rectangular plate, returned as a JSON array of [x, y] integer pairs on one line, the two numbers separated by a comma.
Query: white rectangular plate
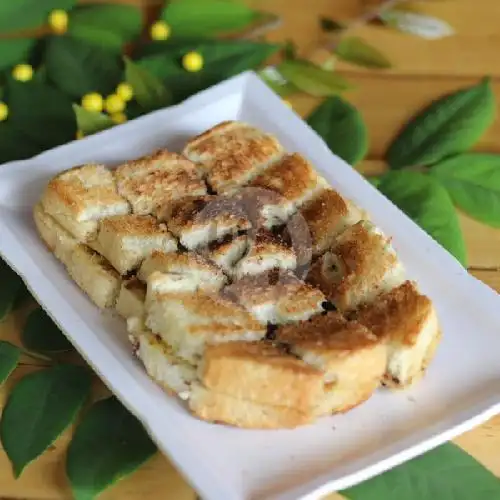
[[462, 386]]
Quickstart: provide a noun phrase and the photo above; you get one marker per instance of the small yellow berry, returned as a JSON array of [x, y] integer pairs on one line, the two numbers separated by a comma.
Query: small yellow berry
[[125, 91], [114, 104], [92, 102], [23, 72], [79, 134], [287, 103], [119, 117], [192, 61], [160, 30], [4, 111], [58, 21]]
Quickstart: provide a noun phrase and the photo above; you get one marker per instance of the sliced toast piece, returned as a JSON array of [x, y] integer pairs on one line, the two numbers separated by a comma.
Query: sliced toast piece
[[408, 320], [232, 153], [131, 299], [126, 240], [79, 197], [352, 358], [227, 252], [359, 266], [151, 181]]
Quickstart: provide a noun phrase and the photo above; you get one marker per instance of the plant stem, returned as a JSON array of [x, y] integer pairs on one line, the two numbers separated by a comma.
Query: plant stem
[[35, 355]]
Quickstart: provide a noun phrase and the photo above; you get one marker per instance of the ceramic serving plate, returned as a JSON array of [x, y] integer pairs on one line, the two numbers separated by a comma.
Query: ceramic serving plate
[[461, 388]]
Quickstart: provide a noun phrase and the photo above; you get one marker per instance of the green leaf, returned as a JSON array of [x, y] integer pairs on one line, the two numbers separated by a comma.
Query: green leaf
[[473, 182], [9, 357], [290, 50], [41, 114], [222, 59], [313, 79], [342, 127], [408, 20], [358, 51], [39, 408], [14, 145], [425, 201], [108, 26], [90, 122], [41, 334], [10, 285], [446, 473], [331, 25], [109, 444], [276, 82], [450, 125], [14, 51], [208, 17], [77, 67], [149, 91], [23, 296], [27, 14]]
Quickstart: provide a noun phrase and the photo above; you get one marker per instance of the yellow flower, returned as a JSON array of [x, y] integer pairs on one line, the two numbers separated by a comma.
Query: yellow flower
[[79, 134], [58, 21], [119, 117], [114, 104], [125, 91], [23, 72], [160, 30], [92, 102], [4, 111], [192, 61]]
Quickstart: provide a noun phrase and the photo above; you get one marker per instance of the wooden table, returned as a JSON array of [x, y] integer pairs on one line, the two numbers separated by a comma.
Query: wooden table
[[423, 70]]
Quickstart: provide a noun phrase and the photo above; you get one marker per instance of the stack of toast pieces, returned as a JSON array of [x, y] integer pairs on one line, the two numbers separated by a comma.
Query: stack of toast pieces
[[251, 289]]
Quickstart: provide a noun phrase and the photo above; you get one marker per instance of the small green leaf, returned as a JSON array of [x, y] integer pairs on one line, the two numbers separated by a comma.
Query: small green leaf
[[358, 51], [28, 14], [77, 67], [276, 82], [450, 125], [41, 334], [149, 91], [375, 180], [39, 408], [14, 51], [416, 23], [14, 145], [331, 25], [473, 182], [342, 127], [10, 285], [313, 79], [108, 26], [9, 357], [222, 59], [109, 444], [41, 114], [90, 122], [425, 201], [446, 473], [208, 17]]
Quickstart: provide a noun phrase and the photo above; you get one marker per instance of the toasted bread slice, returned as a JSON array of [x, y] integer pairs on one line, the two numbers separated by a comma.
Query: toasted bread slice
[[57, 239], [232, 153], [77, 198], [408, 320], [95, 276], [359, 266], [153, 180], [220, 408], [188, 321], [131, 299], [262, 373], [265, 251], [126, 240], [180, 272], [352, 358], [276, 297], [294, 179], [327, 215], [227, 252], [173, 374], [199, 220]]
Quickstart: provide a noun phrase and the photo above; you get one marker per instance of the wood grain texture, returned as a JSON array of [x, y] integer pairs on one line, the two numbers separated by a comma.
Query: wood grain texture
[[422, 71]]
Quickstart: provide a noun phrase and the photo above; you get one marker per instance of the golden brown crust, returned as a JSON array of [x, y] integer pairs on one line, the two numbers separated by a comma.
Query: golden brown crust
[[217, 129], [153, 180], [133, 225]]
